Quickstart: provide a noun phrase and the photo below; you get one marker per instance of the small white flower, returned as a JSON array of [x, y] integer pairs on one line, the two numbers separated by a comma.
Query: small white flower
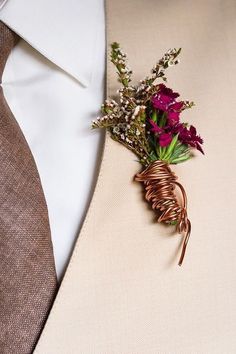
[[116, 130], [136, 111]]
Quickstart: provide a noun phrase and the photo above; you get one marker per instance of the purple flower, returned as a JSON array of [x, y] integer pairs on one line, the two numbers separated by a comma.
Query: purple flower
[[165, 139], [168, 116], [177, 106], [188, 136], [164, 98], [155, 128], [168, 92], [196, 140], [173, 117]]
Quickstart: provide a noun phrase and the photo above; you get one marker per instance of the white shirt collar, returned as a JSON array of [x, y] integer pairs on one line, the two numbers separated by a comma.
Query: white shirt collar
[[63, 31]]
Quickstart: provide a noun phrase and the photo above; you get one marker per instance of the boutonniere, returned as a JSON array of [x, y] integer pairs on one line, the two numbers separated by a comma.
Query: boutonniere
[[146, 119]]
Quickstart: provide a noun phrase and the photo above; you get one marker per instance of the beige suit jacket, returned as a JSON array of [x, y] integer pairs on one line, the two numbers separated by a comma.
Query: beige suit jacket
[[123, 292]]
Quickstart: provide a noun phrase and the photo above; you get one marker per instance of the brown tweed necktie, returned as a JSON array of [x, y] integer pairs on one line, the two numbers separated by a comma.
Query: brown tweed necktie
[[27, 270]]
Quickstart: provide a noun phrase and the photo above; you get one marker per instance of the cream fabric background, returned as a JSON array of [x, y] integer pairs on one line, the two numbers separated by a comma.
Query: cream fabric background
[[123, 292]]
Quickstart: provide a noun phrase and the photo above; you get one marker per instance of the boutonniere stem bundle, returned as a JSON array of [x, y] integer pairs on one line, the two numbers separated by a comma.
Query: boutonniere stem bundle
[[146, 119]]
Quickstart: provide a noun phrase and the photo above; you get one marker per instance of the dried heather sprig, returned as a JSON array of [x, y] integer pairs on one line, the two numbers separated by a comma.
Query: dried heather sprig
[[169, 59], [118, 58]]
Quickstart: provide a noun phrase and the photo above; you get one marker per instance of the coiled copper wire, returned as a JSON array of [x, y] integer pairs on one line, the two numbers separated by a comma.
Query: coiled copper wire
[[160, 182]]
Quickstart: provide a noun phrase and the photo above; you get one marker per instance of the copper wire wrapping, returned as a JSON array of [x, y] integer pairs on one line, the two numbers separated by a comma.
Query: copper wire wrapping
[[160, 182]]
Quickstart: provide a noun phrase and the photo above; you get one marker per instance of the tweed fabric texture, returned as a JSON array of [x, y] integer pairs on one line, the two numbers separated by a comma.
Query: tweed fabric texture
[[28, 281]]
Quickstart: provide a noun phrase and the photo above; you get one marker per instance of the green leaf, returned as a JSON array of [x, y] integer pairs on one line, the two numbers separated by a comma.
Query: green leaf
[[171, 148], [154, 116], [181, 159], [153, 156], [179, 150], [162, 151], [158, 151], [173, 222], [162, 121]]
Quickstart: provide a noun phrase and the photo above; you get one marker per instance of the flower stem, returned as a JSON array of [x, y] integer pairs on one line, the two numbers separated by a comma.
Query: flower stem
[[162, 121]]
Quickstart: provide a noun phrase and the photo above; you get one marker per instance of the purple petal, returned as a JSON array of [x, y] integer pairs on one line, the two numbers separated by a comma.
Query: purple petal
[[177, 106], [155, 128], [173, 117], [198, 146], [165, 139]]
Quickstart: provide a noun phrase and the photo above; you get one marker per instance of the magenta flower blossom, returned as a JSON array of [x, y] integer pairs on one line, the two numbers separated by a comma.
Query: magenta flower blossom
[[177, 106], [174, 112], [173, 117], [188, 136], [165, 100], [155, 128], [165, 139]]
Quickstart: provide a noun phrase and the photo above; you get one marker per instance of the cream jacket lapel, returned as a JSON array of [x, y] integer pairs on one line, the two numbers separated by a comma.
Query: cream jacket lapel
[[123, 291]]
